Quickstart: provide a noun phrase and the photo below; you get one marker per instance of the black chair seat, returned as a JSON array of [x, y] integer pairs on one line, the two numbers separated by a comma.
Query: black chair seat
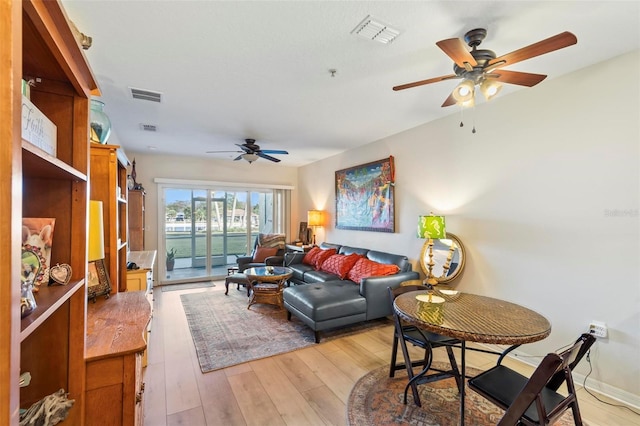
[[534, 400]]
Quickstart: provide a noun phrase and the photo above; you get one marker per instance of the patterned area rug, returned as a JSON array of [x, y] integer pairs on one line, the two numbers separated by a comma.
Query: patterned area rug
[[376, 399], [186, 286], [226, 333]]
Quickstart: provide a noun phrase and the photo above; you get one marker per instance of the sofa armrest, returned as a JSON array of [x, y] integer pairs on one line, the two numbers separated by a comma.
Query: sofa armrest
[[243, 261], [274, 260], [374, 289], [293, 258]]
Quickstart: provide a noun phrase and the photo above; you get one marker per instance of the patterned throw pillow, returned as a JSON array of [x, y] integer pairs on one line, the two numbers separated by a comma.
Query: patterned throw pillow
[[322, 256], [365, 268], [310, 257], [340, 264], [262, 253]]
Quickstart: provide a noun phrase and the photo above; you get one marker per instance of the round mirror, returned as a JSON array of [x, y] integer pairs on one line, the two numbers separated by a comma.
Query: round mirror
[[448, 258]]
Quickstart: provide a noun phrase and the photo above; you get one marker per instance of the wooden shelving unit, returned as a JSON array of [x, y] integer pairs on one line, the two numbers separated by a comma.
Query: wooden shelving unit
[[136, 220], [37, 42], [109, 185]]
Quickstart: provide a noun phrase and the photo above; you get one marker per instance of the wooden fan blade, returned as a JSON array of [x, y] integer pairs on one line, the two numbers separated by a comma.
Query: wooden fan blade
[[550, 44], [245, 148], [423, 82], [457, 50], [267, 157], [517, 77], [273, 151], [449, 101], [239, 157]]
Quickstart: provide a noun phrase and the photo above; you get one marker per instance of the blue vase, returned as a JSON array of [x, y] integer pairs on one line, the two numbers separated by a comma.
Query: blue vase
[[100, 123]]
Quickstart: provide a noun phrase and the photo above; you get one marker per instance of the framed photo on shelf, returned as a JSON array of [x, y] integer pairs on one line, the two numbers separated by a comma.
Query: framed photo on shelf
[[98, 283]]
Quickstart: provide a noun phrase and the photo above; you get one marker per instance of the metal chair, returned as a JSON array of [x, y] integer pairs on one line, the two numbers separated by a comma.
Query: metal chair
[[428, 341], [535, 400]]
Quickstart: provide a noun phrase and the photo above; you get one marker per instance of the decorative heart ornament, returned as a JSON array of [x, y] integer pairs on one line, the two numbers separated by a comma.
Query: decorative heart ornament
[[61, 274]]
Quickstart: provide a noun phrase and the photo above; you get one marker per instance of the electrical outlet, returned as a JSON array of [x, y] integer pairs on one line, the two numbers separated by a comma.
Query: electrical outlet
[[598, 329]]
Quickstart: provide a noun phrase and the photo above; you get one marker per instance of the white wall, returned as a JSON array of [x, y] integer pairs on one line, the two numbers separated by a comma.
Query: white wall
[[533, 196]]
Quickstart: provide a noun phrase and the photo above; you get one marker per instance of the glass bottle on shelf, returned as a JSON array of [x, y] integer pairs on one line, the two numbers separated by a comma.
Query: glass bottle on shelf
[[100, 123]]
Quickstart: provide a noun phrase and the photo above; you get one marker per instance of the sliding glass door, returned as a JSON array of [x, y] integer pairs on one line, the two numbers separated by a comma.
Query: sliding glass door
[[205, 229]]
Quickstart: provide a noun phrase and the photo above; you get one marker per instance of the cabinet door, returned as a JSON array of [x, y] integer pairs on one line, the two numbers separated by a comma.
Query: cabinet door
[[136, 220]]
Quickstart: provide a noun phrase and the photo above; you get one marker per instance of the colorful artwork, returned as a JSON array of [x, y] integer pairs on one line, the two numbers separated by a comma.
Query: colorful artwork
[[38, 232], [364, 197]]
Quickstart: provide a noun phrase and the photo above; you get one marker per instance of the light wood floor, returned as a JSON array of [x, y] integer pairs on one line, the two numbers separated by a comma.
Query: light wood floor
[[306, 387]]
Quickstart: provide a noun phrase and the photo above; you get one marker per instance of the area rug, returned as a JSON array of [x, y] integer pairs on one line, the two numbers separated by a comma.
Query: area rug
[[226, 333], [376, 399], [186, 286]]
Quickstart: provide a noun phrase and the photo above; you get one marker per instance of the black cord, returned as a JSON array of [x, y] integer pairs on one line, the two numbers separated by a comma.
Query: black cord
[[584, 385]]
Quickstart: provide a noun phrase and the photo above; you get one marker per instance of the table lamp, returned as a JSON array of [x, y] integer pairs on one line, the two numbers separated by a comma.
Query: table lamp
[[315, 218], [96, 231], [431, 227]]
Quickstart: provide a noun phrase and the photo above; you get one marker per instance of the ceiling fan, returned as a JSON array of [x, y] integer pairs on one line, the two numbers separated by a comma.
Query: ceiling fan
[[481, 67], [251, 152]]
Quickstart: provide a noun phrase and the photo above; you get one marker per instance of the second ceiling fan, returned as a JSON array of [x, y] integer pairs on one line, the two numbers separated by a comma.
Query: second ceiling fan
[[251, 152], [481, 67]]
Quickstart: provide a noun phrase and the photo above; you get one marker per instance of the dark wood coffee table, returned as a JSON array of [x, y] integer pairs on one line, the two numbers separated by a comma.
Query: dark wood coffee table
[[267, 284]]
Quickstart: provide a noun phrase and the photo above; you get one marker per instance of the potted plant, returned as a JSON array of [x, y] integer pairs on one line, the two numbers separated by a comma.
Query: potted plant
[[171, 259]]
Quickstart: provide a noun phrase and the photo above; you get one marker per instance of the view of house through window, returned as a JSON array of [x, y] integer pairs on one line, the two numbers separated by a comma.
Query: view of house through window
[[205, 229]]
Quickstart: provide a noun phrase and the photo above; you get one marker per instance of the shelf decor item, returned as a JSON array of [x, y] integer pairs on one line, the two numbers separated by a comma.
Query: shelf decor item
[[37, 129], [38, 232], [97, 278], [100, 123]]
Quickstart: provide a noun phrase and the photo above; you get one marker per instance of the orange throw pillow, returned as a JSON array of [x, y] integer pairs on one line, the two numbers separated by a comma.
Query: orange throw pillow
[[322, 256], [365, 268], [340, 264], [310, 257], [263, 252]]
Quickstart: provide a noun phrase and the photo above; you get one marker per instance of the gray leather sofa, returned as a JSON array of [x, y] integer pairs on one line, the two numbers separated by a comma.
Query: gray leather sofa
[[322, 300]]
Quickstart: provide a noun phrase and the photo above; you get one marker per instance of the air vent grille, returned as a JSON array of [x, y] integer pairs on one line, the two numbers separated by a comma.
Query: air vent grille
[[373, 29], [146, 95], [149, 127]]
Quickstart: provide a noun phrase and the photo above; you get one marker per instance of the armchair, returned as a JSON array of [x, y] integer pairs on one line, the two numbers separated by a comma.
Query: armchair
[[268, 250]]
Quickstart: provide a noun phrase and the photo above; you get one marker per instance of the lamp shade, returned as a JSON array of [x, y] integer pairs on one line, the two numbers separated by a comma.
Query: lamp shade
[[431, 227], [464, 91], [490, 88], [96, 231], [315, 218]]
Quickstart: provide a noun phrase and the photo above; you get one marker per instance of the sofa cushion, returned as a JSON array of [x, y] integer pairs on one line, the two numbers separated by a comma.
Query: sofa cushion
[[388, 258], [365, 268], [323, 256], [322, 302], [262, 253], [350, 250], [340, 264], [310, 256]]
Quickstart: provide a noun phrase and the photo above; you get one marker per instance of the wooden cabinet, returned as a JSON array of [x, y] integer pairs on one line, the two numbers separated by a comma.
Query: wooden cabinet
[[141, 279], [136, 219], [109, 184], [37, 43], [115, 345]]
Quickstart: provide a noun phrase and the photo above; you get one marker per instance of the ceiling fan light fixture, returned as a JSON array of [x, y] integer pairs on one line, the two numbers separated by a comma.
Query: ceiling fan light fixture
[[490, 88], [464, 91], [250, 157]]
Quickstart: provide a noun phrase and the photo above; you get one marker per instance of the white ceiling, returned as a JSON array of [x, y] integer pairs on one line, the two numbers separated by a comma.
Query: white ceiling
[[230, 70]]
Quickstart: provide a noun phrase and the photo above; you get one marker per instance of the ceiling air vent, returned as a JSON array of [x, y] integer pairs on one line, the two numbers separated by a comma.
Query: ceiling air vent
[[373, 29], [149, 127], [146, 95]]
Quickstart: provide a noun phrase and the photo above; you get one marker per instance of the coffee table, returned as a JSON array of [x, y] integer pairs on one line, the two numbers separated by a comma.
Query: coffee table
[[267, 284]]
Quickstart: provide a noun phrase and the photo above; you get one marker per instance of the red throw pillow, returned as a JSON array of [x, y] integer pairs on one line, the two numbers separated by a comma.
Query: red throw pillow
[[322, 256], [262, 253], [340, 264], [365, 268], [310, 257]]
